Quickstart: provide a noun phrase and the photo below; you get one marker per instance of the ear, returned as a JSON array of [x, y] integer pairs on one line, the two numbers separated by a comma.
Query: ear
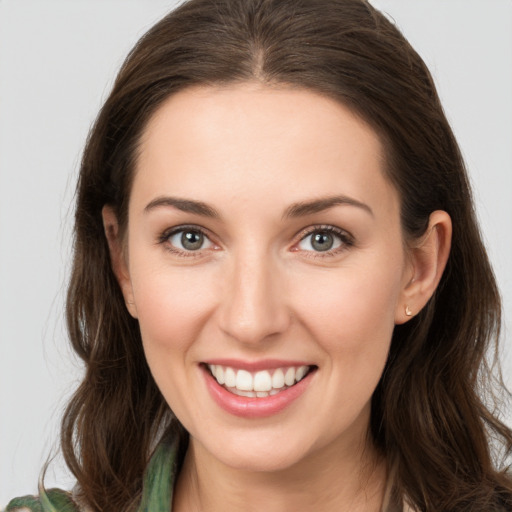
[[428, 257], [118, 257]]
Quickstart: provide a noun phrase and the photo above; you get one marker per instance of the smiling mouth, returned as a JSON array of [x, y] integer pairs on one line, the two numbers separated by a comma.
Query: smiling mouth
[[260, 384]]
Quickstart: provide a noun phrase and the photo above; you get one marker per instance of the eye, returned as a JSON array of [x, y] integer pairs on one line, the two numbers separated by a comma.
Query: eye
[[325, 239], [187, 240]]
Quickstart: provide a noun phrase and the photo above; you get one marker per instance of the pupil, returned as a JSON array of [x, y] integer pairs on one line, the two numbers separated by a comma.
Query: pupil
[[192, 240], [322, 241]]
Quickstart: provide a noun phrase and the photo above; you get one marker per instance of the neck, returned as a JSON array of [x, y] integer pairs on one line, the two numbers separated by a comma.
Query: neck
[[336, 478]]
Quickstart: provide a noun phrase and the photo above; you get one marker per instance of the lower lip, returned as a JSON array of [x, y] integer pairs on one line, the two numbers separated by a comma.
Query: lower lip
[[252, 407]]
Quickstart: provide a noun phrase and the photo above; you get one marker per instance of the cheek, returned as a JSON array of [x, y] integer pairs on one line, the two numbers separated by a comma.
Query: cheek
[[350, 315], [171, 307], [351, 311]]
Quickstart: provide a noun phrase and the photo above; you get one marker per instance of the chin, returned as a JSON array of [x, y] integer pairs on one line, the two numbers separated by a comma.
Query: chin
[[259, 452], [262, 462]]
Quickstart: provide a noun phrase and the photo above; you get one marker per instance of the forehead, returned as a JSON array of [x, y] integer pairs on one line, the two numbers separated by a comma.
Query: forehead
[[249, 139]]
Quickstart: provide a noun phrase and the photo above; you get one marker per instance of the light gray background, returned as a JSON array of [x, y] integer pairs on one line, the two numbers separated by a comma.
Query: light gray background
[[57, 63]]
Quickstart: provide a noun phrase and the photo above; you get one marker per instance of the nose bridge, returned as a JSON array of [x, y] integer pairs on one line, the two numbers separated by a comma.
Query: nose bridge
[[254, 307]]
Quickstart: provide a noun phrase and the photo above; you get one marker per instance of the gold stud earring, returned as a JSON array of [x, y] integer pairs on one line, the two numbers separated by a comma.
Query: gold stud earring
[[408, 311]]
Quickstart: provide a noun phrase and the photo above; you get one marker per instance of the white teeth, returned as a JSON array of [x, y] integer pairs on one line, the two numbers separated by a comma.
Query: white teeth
[[219, 374], [262, 381], [289, 377], [278, 379], [259, 384], [230, 378], [301, 371], [239, 392], [244, 381]]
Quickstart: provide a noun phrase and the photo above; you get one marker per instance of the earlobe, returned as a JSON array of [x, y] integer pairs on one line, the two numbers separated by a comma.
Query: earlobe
[[117, 257], [428, 258]]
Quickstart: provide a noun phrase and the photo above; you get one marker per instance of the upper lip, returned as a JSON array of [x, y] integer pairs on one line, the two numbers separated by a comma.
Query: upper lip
[[253, 366]]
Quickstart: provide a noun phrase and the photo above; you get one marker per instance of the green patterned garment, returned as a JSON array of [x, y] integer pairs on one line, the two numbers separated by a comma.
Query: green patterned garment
[[156, 494]]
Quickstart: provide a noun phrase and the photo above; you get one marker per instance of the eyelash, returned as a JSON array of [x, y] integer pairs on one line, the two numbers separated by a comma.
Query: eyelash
[[345, 238], [166, 235]]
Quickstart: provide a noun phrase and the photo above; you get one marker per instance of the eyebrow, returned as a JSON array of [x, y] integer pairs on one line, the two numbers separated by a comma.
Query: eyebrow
[[299, 209], [185, 205], [319, 205]]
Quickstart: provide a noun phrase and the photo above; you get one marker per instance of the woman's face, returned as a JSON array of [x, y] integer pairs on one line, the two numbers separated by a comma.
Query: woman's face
[[264, 245]]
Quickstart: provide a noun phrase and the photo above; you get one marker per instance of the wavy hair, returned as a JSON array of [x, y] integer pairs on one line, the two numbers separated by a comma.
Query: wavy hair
[[442, 438]]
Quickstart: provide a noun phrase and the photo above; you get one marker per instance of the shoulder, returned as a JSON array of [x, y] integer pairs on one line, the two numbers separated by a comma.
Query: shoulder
[[52, 500], [157, 490]]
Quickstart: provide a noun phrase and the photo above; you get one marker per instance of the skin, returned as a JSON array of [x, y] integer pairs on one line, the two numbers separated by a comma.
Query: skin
[[258, 289]]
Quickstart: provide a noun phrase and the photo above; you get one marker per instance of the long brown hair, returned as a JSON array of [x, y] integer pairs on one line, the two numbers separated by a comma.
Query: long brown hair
[[429, 416]]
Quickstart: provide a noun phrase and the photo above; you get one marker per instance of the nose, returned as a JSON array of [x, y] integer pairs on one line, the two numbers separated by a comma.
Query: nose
[[253, 307]]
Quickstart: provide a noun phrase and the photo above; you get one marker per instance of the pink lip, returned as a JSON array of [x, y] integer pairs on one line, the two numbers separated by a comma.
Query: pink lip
[[247, 407], [254, 366]]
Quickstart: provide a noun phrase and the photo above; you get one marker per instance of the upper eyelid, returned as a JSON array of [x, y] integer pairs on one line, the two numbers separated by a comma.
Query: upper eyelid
[[304, 231], [191, 227], [165, 235], [164, 240], [323, 227]]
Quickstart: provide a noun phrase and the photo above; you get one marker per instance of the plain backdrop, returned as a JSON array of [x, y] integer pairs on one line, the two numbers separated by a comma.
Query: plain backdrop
[[58, 59]]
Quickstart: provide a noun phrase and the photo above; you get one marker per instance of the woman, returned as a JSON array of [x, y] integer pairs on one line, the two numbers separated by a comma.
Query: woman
[[275, 240]]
